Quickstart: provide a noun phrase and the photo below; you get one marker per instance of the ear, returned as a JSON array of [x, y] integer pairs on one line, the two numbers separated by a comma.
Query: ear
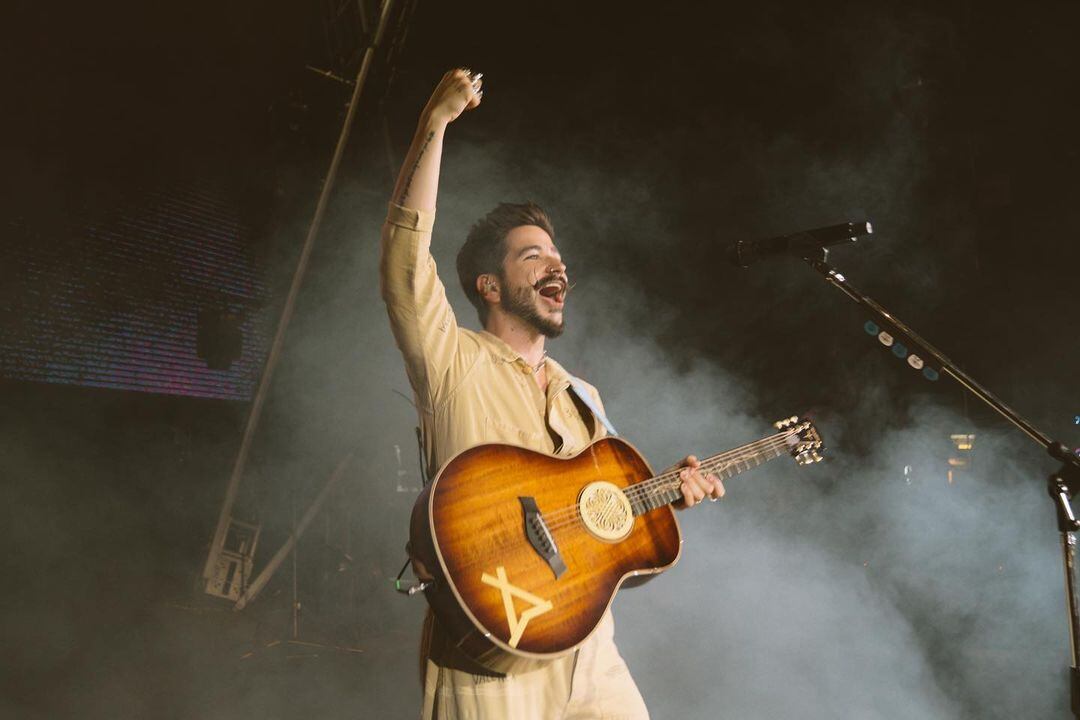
[[488, 287]]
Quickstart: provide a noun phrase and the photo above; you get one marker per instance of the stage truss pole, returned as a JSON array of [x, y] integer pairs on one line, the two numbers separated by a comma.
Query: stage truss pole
[[256, 586], [225, 518]]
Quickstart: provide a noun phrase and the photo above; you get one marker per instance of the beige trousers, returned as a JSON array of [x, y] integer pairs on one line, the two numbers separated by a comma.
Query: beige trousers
[[591, 684]]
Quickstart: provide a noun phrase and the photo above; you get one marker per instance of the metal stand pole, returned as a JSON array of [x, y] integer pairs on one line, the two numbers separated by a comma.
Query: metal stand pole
[[1063, 485], [298, 529], [231, 491]]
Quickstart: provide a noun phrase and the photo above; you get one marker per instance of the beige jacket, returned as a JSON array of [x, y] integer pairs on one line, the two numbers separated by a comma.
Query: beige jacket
[[470, 387]]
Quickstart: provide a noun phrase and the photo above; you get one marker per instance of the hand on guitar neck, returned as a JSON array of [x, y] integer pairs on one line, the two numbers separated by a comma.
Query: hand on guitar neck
[[696, 487]]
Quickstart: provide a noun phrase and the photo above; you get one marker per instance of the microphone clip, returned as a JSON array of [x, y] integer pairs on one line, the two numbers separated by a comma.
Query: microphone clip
[[808, 248]]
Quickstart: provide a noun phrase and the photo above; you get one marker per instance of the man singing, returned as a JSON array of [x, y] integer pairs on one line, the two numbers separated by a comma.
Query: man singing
[[497, 386]]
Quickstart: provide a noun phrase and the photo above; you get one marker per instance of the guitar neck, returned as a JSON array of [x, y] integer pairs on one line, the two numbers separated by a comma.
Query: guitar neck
[[664, 488]]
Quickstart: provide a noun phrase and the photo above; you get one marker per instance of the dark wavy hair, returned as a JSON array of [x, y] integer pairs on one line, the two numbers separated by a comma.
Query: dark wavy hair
[[485, 246]]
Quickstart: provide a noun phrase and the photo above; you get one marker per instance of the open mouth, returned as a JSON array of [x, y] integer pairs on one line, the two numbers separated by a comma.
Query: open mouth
[[553, 289]]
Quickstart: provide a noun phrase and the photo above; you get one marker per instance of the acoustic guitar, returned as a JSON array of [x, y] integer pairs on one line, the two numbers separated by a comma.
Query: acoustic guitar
[[528, 550]]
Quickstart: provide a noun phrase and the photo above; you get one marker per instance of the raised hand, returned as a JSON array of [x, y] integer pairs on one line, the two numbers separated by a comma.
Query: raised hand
[[459, 90], [418, 182]]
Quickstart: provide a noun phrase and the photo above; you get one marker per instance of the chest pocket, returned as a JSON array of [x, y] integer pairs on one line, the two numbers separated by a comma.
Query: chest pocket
[[501, 431]]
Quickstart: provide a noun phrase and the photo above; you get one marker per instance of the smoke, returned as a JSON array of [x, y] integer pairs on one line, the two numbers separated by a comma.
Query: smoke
[[846, 589], [866, 586], [852, 588]]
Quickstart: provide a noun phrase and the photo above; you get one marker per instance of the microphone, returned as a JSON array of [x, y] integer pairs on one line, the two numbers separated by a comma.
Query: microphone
[[745, 253]]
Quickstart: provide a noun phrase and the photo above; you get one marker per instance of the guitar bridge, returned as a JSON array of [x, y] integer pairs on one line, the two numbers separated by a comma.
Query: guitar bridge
[[538, 535]]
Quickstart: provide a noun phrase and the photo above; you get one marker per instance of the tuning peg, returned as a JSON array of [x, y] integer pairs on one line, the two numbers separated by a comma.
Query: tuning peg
[[817, 458], [780, 424]]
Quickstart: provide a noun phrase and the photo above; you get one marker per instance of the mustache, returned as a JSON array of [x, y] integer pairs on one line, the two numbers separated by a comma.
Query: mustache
[[557, 277]]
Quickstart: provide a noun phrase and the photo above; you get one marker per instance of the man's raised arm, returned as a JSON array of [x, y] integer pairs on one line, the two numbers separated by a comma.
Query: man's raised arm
[[418, 181], [420, 316]]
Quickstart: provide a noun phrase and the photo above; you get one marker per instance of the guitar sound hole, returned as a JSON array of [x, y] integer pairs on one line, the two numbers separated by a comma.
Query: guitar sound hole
[[605, 510]]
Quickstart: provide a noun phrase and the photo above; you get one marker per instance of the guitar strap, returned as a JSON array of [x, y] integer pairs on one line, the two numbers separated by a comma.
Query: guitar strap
[[583, 394]]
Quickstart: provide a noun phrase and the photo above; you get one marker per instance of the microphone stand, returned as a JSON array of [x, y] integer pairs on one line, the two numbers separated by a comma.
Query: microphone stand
[[1062, 485]]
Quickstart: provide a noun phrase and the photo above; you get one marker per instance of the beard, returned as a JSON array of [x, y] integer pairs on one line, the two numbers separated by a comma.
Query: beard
[[519, 302]]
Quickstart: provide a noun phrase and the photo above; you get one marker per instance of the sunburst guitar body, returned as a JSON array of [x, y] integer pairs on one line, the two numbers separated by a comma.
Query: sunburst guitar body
[[528, 550]]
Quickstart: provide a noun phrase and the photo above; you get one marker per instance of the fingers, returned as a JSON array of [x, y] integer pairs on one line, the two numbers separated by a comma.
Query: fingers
[[695, 487], [459, 90], [470, 84], [718, 488], [476, 92], [692, 490]]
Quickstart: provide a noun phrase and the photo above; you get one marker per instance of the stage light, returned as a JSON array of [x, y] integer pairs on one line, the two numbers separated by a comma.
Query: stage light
[[963, 442], [960, 461]]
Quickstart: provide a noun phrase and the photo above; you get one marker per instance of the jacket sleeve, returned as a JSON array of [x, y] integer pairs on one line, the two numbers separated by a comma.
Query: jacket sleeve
[[421, 318]]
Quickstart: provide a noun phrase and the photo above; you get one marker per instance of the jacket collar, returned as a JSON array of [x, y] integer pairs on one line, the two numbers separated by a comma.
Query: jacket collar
[[499, 350]]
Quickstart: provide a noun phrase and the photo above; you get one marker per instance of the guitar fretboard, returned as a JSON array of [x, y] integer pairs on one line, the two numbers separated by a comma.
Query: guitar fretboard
[[664, 488]]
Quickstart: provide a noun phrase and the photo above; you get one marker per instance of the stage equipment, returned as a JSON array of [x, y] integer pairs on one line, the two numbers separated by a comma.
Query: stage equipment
[[528, 550], [235, 561], [279, 557], [960, 458], [1062, 485], [747, 252], [211, 569]]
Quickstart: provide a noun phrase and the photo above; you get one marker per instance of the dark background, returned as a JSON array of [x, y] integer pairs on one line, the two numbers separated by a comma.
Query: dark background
[[656, 136]]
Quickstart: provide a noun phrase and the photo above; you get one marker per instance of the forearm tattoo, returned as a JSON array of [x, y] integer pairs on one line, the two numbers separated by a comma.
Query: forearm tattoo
[[412, 172]]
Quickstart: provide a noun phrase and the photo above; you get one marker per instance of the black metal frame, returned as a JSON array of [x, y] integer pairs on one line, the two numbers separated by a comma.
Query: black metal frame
[[1062, 485]]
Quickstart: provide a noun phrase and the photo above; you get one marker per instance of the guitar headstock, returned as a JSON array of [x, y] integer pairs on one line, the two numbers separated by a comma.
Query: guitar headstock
[[803, 439]]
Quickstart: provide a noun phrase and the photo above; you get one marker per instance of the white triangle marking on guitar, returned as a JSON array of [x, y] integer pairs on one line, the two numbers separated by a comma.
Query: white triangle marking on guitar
[[516, 622]]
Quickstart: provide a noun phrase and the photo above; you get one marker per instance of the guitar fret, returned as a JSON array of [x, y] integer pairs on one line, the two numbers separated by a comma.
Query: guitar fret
[[725, 465]]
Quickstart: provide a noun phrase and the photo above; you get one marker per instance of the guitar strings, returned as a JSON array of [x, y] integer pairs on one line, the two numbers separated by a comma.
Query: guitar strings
[[566, 516], [720, 463]]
